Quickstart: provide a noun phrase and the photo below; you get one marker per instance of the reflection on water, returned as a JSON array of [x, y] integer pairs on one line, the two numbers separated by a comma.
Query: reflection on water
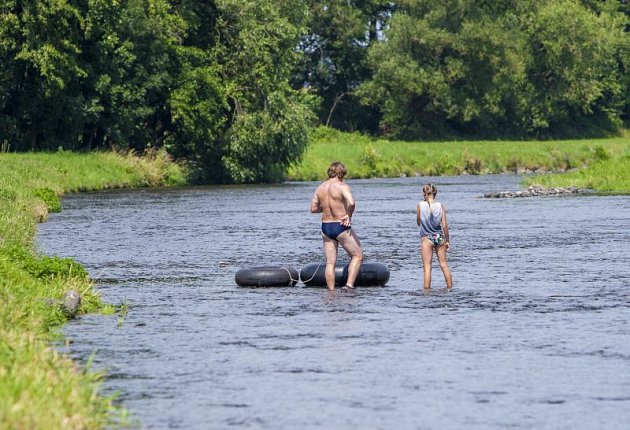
[[533, 335]]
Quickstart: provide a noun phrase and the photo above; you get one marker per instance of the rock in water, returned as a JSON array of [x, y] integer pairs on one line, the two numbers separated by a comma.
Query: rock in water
[[533, 191], [70, 303]]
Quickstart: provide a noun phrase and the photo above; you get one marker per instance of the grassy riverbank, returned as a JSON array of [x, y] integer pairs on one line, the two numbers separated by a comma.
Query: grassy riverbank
[[39, 388], [367, 158], [609, 176]]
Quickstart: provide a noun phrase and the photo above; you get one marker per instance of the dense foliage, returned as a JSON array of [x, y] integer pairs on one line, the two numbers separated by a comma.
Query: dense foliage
[[334, 58], [518, 68], [232, 86], [206, 80]]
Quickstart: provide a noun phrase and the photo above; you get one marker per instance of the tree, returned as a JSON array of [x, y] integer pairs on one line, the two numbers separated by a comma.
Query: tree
[[40, 102], [267, 126], [130, 52], [208, 81], [509, 68], [446, 68], [574, 72], [333, 62]]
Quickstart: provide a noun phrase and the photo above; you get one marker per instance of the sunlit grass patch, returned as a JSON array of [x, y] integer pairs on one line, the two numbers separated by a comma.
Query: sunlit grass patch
[[610, 175], [368, 158]]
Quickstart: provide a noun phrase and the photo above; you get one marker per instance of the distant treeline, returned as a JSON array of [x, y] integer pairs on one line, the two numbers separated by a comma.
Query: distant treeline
[[233, 86]]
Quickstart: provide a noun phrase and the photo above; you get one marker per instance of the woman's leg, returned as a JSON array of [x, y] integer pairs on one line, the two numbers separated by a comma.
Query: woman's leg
[[441, 254], [426, 251]]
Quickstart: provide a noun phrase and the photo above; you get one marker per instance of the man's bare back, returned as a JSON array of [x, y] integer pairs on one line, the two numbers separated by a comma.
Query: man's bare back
[[334, 200]]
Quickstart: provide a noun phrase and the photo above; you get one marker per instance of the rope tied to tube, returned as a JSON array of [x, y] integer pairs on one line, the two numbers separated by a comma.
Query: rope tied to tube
[[291, 280], [314, 273]]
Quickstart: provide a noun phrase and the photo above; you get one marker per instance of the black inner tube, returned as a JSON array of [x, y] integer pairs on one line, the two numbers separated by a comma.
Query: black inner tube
[[267, 276], [370, 274]]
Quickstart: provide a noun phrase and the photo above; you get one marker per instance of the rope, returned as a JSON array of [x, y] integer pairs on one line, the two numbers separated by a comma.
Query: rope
[[291, 280], [314, 273]]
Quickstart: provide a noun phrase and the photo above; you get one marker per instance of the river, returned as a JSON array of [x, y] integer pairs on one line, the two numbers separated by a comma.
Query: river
[[534, 334]]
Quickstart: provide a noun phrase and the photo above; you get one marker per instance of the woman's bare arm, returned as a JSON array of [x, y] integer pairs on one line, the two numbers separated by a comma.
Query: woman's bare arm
[[445, 227]]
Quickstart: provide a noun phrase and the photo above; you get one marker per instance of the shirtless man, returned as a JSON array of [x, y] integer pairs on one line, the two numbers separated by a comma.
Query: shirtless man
[[334, 200]]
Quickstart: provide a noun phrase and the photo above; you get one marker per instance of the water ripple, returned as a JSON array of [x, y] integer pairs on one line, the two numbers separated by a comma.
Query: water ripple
[[535, 333]]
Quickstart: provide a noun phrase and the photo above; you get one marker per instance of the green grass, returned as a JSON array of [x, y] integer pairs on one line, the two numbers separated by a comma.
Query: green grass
[[40, 388], [368, 158], [609, 176]]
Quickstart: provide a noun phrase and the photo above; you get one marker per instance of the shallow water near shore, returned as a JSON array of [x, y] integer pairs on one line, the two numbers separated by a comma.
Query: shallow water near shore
[[534, 334]]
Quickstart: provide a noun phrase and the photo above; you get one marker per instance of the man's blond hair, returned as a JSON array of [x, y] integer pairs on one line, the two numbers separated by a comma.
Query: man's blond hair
[[337, 170]]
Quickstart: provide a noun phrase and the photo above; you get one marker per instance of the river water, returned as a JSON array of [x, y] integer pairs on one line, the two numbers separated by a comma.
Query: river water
[[534, 334]]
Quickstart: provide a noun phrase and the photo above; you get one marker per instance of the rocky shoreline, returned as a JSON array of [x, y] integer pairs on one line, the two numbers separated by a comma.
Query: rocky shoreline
[[534, 191]]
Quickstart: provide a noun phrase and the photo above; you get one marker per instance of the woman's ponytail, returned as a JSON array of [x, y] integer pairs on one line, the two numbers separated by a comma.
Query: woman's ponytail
[[429, 190]]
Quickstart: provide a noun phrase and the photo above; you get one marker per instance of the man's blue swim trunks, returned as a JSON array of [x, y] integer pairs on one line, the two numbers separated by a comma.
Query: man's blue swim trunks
[[333, 229]]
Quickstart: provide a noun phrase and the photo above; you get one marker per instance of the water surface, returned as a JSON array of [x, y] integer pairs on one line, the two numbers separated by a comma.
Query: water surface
[[533, 335]]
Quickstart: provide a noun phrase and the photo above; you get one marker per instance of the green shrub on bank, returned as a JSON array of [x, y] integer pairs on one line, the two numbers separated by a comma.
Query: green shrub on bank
[[367, 158], [50, 198], [44, 267], [40, 388]]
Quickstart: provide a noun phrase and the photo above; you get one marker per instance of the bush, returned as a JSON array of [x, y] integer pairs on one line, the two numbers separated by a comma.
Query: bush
[[50, 198], [369, 158], [48, 267], [472, 165], [561, 161], [513, 164], [600, 153]]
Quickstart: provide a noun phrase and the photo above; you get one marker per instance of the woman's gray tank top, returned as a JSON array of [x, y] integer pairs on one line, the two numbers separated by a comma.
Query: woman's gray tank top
[[430, 220]]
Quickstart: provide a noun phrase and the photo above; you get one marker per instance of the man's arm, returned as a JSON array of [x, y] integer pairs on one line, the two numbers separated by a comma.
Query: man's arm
[[350, 205], [316, 207]]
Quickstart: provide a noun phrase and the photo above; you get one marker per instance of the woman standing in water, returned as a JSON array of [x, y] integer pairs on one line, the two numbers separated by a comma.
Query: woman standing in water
[[431, 217]]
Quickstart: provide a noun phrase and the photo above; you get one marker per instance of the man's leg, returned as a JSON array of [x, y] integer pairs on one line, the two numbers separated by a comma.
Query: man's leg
[[330, 252], [350, 242], [426, 251]]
